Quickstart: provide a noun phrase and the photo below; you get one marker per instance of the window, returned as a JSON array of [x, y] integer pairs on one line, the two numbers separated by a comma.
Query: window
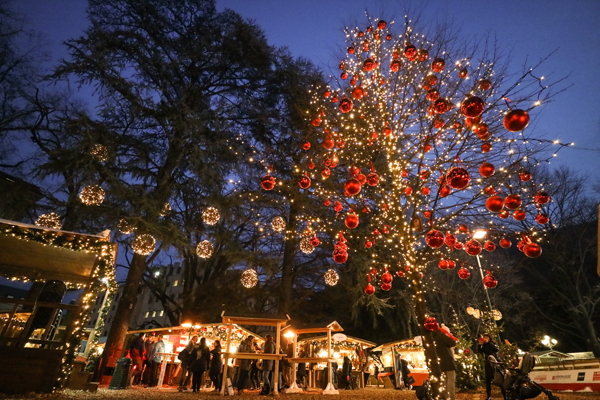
[[171, 270], [175, 283], [179, 271], [161, 313], [147, 313], [153, 314]]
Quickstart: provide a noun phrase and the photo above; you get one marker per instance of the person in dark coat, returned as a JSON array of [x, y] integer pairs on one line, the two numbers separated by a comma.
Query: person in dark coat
[[487, 347], [216, 364], [136, 352], [200, 365], [244, 371], [301, 373], [346, 373], [267, 365], [444, 342], [186, 372], [150, 344]]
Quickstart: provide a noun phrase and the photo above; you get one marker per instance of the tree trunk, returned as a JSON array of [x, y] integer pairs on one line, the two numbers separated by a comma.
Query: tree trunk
[[287, 268], [120, 325]]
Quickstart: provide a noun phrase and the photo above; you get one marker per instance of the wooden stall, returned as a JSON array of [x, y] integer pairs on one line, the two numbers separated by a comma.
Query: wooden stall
[[177, 337], [232, 320], [337, 345], [52, 263], [409, 350]]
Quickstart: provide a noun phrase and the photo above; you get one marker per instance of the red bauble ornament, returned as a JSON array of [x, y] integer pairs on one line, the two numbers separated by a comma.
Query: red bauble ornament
[[410, 52], [395, 65], [404, 173], [338, 206], [435, 239], [326, 94], [471, 122], [473, 247], [450, 240], [358, 92], [520, 245], [427, 214], [445, 191], [422, 55], [525, 176], [351, 50], [505, 243], [433, 95], [267, 182], [315, 241], [489, 190], [441, 106], [519, 215], [408, 191], [443, 264], [482, 131], [368, 65], [425, 191], [472, 107], [327, 203], [458, 245], [489, 246], [516, 120], [388, 37], [504, 214], [373, 179], [361, 178], [430, 324], [542, 197], [486, 147], [532, 250], [387, 277], [438, 65], [451, 264], [463, 73], [344, 75], [458, 178], [345, 105], [352, 221], [438, 123], [489, 281], [304, 182], [306, 145], [340, 256], [386, 286], [316, 121], [369, 244], [370, 289], [486, 170], [325, 173], [463, 228], [400, 274], [542, 219], [328, 143], [512, 201], [334, 99], [352, 186], [485, 84], [463, 273]]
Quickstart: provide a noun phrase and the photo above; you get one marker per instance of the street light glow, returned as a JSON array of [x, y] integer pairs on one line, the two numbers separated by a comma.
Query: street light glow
[[479, 234]]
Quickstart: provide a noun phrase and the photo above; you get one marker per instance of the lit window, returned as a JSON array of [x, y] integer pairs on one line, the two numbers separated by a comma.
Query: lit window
[[175, 283], [147, 314], [161, 313], [153, 314]]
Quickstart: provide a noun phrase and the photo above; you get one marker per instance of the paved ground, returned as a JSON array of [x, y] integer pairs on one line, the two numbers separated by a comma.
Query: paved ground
[[169, 394]]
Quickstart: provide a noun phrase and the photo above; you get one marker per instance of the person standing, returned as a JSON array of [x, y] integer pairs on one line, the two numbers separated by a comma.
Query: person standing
[[244, 370], [149, 345], [267, 365], [187, 358], [288, 367], [443, 346], [346, 380], [136, 352], [200, 365], [157, 360], [215, 365], [487, 347]]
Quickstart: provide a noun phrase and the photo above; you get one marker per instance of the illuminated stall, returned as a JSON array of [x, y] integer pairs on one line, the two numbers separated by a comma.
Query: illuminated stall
[[410, 350]]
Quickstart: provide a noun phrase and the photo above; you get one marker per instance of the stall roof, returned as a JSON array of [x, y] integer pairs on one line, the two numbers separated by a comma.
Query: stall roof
[[396, 343], [314, 328], [351, 339], [258, 320], [195, 326], [35, 260]]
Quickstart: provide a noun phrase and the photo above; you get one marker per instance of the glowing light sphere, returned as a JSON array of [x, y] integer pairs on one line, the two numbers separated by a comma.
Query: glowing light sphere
[[50, 220], [125, 227], [306, 245], [143, 244], [210, 216], [92, 195], [278, 224], [249, 278], [204, 249], [99, 152], [497, 315], [331, 277], [165, 210]]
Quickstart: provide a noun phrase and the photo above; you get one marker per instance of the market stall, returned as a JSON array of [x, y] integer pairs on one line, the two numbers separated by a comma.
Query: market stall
[[60, 272], [341, 345], [177, 337], [410, 350]]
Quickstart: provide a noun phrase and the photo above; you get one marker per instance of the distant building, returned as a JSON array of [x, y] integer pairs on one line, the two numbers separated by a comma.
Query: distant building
[[19, 198]]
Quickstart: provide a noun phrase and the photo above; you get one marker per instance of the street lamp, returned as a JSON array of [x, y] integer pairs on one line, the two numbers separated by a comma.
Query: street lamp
[[480, 234], [549, 342]]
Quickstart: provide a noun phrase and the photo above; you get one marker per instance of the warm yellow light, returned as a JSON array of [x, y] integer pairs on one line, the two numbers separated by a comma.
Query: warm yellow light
[[479, 234]]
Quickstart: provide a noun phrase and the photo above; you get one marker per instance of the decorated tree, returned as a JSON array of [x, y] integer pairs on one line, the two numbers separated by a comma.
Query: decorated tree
[[469, 367], [414, 146]]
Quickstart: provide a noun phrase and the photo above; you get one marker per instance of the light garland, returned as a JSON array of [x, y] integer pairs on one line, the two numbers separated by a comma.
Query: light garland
[[92, 195], [249, 278], [99, 152], [50, 220], [143, 244], [211, 216], [331, 277], [306, 246], [278, 224], [125, 227], [204, 249]]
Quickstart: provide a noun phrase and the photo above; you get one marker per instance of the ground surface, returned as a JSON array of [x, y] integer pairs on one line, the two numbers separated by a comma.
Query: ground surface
[[369, 393]]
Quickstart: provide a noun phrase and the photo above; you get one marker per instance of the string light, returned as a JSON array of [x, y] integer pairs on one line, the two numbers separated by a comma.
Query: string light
[[331, 277], [92, 195], [204, 249], [278, 224], [211, 216], [143, 244], [306, 246], [165, 210], [249, 278], [49, 220], [99, 152], [125, 227]]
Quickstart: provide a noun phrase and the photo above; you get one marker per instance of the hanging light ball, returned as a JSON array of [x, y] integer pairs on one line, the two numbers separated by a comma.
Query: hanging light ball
[[204, 249], [210, 216], [331, 277], [143, 244], [249, 278], [494, 203], [369, 289], [505, 243], [512, 201], [486, 170], [278, 224], [165, 210], [352, 186], [92, 195], [306, 246], [50, 220], [99, 152], [125, 227], [458, 178], [542, 197]]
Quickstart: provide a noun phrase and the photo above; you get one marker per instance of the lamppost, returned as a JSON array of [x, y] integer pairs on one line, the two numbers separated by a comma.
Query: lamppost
[[549, 342], [480, 234]]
